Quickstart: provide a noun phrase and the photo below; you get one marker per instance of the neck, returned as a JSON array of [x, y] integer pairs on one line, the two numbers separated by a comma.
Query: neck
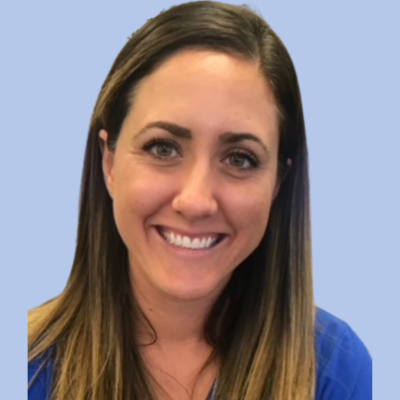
[[179, 356], [176, 322]]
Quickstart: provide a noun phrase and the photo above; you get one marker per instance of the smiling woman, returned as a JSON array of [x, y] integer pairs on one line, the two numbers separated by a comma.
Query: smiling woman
[[192, 272], [213, 184]]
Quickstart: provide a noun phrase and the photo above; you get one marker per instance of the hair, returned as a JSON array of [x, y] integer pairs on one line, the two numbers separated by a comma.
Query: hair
[[262, 325]]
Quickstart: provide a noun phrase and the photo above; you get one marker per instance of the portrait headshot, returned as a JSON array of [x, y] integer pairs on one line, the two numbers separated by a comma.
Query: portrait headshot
[[202, 219]]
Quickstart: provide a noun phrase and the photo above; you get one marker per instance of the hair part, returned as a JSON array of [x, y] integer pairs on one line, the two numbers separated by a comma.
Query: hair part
[[262, 325]]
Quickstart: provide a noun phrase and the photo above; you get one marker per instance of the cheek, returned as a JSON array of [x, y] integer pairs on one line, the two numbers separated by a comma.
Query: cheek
[[137, 195], [249, 212]]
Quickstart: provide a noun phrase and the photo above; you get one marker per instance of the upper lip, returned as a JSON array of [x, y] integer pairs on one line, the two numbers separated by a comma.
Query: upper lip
[[190, 234]]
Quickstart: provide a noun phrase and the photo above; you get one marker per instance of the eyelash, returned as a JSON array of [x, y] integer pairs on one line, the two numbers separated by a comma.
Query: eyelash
[[147, 147]]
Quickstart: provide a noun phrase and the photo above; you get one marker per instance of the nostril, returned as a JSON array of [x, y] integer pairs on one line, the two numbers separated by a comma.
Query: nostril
[[195, 207]]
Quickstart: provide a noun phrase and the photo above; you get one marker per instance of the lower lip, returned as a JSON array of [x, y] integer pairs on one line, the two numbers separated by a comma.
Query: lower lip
[[191, 253]]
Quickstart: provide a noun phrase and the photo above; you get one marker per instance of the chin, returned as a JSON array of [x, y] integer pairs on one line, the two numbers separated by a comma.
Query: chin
[[192, 291]]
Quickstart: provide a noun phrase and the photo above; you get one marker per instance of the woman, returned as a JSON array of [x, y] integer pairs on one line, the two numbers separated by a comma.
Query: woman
[[192, 272]]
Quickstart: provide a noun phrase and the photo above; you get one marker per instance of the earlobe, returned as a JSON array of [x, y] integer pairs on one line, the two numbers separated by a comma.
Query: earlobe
[[107, 161]]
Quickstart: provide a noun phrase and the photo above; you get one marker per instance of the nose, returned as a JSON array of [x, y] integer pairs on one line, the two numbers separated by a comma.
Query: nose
[[196, 198]]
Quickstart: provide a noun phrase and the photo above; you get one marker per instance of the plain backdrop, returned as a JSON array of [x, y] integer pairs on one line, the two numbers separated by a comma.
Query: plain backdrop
[[54, 58]]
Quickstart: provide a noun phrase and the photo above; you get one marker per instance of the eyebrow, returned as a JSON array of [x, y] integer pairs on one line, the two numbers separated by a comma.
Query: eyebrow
[[185, 133]]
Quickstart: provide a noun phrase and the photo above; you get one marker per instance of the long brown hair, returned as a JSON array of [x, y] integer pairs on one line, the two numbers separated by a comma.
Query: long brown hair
[[262, 325]]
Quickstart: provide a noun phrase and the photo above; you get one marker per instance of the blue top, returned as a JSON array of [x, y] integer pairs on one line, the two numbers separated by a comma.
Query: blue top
[[344, 366]]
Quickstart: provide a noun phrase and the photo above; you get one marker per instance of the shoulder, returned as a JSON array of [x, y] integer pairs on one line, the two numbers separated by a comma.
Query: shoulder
[[40, 373], [344, 365]]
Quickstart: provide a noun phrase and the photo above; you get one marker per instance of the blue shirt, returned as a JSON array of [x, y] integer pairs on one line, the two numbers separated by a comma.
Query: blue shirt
[[344, 366]]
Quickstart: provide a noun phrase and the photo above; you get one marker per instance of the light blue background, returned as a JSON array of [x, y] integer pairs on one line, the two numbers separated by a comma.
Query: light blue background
[[54, 58]]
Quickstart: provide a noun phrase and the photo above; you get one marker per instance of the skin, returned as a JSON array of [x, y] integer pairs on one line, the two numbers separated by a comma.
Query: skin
[[195, 186]]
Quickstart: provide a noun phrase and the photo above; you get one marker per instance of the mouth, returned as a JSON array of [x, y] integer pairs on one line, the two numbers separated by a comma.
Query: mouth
[[201, 242]]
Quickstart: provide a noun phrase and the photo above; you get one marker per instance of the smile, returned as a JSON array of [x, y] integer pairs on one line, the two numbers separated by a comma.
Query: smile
[[195, 243]]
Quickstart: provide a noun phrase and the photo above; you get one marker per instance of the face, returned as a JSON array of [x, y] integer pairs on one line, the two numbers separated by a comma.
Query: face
[[194, 173]]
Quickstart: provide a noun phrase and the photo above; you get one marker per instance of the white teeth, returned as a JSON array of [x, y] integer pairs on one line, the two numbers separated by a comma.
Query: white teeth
[[186, 242]]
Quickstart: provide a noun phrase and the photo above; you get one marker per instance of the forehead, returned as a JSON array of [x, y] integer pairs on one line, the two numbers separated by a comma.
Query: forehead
[[205, 89]]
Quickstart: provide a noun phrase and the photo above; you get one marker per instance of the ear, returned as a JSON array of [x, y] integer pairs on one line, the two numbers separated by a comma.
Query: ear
[[107, 161], [281, 179]]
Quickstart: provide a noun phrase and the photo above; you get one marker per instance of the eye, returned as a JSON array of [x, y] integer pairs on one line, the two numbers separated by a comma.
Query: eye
[[162, 148], [242, 160]]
